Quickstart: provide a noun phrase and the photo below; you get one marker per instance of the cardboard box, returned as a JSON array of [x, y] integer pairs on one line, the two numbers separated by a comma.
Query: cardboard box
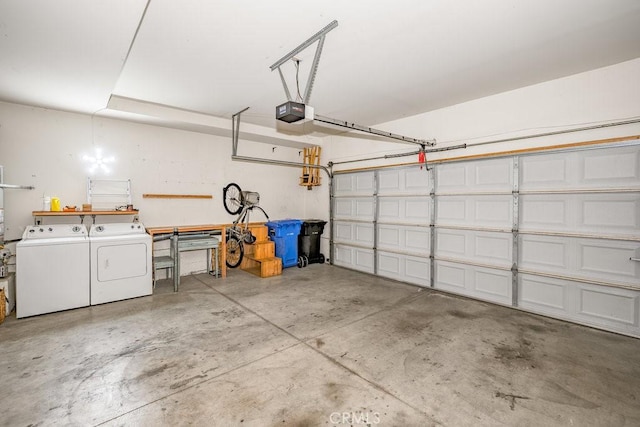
[[8, 284]]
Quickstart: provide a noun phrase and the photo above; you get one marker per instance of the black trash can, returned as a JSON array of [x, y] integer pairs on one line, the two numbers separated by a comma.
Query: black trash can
[[309, 242]]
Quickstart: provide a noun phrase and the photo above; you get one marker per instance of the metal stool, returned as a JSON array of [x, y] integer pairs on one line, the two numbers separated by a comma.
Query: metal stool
[[163, 262]]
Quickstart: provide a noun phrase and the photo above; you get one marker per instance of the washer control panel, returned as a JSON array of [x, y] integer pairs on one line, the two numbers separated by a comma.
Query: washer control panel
[[54, 231]]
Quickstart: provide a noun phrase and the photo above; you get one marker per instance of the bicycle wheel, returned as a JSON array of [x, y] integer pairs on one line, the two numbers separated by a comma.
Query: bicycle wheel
[[235, 251], [232, 197]]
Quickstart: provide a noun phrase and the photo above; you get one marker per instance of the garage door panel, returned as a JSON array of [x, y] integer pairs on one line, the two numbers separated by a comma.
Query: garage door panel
[[600, 306], [354, 258], [493, 211], [389, 265], [479, 211], [451, 211], [494, 175], [611, 167], [417, 210], [344, 231], [596, 169], [484, 247], [542, 294], [451, 177], [539, 212], [596, 259], [608, 305], [364, 234], [364, 209], [343, 256], [364, 259], [411, 210], [389, 209], [545, 253], [404, 238], [581, 213], [608, 260], [543, 172], [493, 246], [354, 184], [343, 208], [343, 184], [389, 182], [418, 270], [404, 181], [358, 208], [407, 268], [493, 285], [479, 282], [451, 277], [354, 233], [611, 212], [365, 183], [389, 237], [451, 243], [417, 180], [417, 240]]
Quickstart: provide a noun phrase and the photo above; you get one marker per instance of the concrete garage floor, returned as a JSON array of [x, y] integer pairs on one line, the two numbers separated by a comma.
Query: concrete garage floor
[[315, 346]]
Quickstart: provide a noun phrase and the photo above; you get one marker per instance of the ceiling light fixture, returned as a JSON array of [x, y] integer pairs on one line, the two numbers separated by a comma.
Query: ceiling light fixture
[[98, 162]]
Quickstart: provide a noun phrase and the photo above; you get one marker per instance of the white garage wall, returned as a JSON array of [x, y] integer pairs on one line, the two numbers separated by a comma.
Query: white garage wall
[[44, 148], [601, 95]]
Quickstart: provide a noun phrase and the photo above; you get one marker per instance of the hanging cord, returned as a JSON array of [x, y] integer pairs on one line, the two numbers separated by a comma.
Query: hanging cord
[[297, 62]]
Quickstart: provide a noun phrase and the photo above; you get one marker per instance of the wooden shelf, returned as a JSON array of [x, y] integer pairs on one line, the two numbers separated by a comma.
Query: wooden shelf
[[83, 213], [37, 215], [177, 196]]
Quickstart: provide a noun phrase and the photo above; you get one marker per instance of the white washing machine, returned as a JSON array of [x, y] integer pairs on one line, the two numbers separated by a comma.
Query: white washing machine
[[52, 269], [121, 265]]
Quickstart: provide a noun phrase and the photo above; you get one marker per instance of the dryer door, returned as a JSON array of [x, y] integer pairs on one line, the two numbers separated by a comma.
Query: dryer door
[[120, 270], [117, 262]]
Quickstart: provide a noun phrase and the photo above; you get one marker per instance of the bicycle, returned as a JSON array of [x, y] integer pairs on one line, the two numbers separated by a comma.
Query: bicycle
[[241, 203]]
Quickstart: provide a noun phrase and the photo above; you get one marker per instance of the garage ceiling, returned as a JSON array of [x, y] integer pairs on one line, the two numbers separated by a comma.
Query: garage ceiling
[[385, 60]]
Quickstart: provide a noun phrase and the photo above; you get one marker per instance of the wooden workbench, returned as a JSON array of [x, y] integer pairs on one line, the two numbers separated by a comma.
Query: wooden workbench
[[222, 253], [222, 259]]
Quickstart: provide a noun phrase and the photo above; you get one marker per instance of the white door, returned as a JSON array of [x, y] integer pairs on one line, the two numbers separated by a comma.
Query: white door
[[117, 262], [404, 215], [120, 269], [353, 221], [579, 234], [474, 222], [555, 233]]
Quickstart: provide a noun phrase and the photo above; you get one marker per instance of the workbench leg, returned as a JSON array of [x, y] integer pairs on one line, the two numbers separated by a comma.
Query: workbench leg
[[217, 265], [176, 261]]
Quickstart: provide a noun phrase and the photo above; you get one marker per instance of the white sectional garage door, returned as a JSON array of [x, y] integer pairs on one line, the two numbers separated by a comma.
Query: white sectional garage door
[[474, 222], [579, 234], [556, 233], [353, 221]]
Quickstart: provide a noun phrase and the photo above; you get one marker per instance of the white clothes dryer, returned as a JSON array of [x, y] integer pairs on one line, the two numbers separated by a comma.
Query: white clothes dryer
[[121, 265], [52, 269]]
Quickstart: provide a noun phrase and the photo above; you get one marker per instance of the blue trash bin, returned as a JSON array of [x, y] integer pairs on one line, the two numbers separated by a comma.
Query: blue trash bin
[[284, 233]]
